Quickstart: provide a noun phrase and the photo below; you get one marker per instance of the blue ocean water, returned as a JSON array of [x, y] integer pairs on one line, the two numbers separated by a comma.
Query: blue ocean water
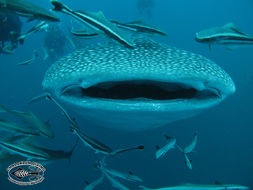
[[225, 148]]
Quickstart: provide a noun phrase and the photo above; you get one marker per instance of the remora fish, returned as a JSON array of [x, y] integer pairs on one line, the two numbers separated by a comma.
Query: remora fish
[[99, 147], [139, 26], [27, 9], [15, 128], [226, 35], [143, 88], [29, 61], [91, 142], [24, 150], [92, 185], [43, 25], [200, 187], [96, 21], [33, 120], [162, 151]]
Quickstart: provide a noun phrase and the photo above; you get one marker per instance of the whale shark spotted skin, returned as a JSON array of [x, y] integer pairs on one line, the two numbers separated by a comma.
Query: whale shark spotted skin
[[136, 89]]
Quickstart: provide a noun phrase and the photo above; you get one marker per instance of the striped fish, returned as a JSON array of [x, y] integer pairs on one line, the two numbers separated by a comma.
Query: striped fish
[[139, 26], [96, 21], [227, 35], [24, 150]]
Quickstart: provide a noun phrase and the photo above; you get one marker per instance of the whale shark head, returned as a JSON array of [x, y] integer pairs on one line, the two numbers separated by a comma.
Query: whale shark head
[[136, 89]]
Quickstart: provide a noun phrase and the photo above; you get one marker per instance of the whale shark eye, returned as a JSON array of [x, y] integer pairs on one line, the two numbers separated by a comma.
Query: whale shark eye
[[140, 90]]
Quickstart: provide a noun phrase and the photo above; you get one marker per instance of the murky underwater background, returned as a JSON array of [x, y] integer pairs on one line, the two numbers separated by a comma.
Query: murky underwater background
[[225, 148]]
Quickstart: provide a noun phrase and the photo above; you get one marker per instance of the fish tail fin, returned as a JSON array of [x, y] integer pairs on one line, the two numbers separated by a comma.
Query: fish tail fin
[[58, 6], [71, 151], [143, 187]]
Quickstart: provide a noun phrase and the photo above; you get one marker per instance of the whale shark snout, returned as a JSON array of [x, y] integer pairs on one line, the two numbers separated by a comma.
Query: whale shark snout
[[136, 89]]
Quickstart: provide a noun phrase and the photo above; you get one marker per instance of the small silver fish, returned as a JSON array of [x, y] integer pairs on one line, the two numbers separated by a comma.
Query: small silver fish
[[29, 61], [170, 145]]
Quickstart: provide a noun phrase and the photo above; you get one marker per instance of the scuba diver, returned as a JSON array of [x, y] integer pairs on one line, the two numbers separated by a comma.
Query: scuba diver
[[145, 7], [54, 43], [10, 28]]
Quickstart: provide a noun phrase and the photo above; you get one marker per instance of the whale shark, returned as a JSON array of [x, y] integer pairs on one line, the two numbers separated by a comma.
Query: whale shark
[[136, 89]]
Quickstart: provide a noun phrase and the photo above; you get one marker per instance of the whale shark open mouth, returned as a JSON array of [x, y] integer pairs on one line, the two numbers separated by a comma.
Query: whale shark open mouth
[[140, 90]]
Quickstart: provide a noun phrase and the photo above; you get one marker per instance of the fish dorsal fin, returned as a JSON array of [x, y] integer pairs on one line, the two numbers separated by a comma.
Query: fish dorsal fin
[[157, 147], [231, 26]]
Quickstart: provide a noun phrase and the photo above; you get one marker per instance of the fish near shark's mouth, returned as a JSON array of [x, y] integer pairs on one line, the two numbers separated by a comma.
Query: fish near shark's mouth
[[140, 90]]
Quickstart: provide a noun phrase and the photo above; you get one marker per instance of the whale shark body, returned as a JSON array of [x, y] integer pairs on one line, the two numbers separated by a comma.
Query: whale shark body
[[136, 89]]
